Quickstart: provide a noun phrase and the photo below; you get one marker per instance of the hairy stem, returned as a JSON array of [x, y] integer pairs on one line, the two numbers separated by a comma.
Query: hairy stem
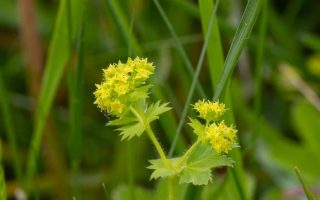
[[158, 147], [189, 151]]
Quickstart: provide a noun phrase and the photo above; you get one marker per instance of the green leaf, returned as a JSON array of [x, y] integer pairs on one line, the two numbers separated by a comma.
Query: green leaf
[[161, 171], [122, 121], [198, 128], [197, 169], [306, 120], [140, 93], [127, 132], [154, 110]]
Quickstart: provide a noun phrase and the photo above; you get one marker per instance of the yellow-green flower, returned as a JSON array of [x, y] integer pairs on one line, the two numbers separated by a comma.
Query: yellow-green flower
[[221, 137], [210, 111], [119, 82]]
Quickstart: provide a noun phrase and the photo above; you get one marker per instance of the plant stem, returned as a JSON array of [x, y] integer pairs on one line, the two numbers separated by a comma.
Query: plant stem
[[157, 145], [159, 149], [189, 151]]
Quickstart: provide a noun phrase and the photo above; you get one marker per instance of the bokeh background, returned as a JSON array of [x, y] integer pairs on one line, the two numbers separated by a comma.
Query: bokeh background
[[52, 54]]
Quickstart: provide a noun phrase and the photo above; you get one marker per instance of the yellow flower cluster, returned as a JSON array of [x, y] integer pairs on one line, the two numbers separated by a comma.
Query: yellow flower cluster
[[221, 137], [119, 81], [210, 111], [215, 132]]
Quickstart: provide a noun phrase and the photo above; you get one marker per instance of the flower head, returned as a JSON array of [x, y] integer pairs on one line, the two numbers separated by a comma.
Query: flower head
[[221, 137], [215, 132], [119, 82], [210, 111]]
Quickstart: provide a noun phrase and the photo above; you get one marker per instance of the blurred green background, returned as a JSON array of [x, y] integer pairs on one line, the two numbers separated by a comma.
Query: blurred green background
[[52, 53]]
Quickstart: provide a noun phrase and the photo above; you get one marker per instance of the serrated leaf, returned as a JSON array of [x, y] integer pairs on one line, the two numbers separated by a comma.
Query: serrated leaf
[[122, 121], [196, 176], [127, 132], [198, 166], [154, 110], [140, 93], [198, 128], [196, 169], [161, 171]]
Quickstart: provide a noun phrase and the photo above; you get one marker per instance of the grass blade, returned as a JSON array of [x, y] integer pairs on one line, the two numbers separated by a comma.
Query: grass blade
[[215, 52], [59, 52], [242, 34], [124, 26], [75, 102], [194, 81], [9, 127], [305, 188], [3, 194], [179, 46]]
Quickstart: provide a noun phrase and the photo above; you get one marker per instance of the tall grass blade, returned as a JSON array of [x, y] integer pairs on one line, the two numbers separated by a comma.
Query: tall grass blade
[[215, 52], [76, 104], [59, 52], [3, 193], [124, 26], [307, 191], [179, 46], [242, 34], [194, 81], [9, 127]]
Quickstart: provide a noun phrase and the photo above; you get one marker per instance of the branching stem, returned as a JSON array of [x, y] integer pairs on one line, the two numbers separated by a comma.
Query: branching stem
[[158, 147]]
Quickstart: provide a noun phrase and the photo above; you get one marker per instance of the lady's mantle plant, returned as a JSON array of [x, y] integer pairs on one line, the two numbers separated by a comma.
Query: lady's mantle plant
[[123, 93]]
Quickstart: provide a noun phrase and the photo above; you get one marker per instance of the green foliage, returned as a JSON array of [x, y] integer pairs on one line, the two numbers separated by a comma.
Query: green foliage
[[306, 189], [198, 127], [307, 127], [162, 171], [155, 110], [3, 193], [133, 123], [196, 169], [140, 93], [59, 52], [127, 132], [278, 120]]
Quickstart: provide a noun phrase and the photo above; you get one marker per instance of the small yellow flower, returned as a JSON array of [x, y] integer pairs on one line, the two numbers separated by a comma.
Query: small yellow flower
[[119, 81], [221, 137], [121, 89], [210, 111]]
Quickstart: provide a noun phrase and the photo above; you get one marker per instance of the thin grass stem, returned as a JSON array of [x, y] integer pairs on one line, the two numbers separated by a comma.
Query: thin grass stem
[[194, 81], [9, 127], [307, 191], [179, 46]]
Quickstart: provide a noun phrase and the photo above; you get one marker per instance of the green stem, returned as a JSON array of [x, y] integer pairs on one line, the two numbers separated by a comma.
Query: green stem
[[170, 188], [157, 145], [188, 152], [158, 148], [151, 136]]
